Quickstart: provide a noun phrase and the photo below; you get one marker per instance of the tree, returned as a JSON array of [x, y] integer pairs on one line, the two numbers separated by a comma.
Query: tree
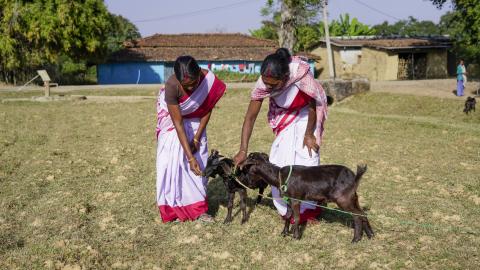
[[464, 23], [346, 27], [42, 33], [287, 17], [448, 24], [121, 30], [410, 27], [268, 31], [310, 29]]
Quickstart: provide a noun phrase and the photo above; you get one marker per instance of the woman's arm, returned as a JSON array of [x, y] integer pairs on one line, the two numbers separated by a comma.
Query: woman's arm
[[309, 140], [247, 128], [195, 144], [177, 119]]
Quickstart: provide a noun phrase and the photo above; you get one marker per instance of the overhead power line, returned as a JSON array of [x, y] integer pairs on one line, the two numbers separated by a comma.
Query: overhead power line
[[377, 10], [196, 12]]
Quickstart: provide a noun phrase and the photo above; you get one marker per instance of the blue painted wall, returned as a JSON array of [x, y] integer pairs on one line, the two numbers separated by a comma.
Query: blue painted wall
[[130, 73], [154, 72]]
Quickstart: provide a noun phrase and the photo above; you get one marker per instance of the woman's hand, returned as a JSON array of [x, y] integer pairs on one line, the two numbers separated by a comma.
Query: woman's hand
[[195, 145], [240, 157], [194, 167], [311, 143]]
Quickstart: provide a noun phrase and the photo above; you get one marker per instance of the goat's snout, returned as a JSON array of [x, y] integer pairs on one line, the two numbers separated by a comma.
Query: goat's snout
[[224, 167]]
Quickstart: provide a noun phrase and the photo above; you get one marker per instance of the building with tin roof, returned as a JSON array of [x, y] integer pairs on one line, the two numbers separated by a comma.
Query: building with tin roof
[[387, 58]]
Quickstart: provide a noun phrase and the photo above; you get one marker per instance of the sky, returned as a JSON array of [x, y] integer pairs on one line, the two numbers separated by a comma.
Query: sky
[[239, 16]]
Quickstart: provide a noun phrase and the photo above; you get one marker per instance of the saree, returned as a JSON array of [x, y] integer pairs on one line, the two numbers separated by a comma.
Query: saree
[[181, 194], [460, 80], [288, 118]]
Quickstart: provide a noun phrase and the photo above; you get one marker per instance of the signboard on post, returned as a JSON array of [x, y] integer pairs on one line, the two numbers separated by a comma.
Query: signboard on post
[[46, 81]]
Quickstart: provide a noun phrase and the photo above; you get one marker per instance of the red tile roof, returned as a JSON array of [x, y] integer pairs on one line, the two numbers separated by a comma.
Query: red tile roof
[[201, 46], [203, 40]]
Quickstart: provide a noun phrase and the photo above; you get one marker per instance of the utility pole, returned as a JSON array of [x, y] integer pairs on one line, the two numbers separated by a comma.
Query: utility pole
[[327, 40]]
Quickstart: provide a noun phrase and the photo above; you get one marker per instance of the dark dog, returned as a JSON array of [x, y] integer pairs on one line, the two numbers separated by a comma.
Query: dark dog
[[222, 166], [325, 183], [469, 105]]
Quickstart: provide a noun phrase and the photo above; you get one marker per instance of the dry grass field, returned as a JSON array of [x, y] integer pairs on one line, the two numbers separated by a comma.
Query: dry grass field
[[77, 189]]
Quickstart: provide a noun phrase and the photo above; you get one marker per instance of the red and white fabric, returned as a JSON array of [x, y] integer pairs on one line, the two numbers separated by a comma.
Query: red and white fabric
[[288, 117], [180, 193]]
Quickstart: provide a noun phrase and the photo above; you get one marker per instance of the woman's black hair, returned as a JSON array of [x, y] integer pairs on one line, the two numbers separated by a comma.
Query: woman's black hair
[[276, 66], [284, 53], [186, 67]]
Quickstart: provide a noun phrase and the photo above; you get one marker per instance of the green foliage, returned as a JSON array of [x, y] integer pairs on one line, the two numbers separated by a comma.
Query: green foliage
[[346, 27], [311, 30], [464, 26], [268, 30], [229, 76], [440, 3], [409, 27], [287, 17], [43, 33], [307, 36], [121, 30]]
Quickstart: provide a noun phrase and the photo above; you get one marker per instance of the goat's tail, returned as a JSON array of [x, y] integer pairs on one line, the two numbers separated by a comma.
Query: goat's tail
[[361, 169]]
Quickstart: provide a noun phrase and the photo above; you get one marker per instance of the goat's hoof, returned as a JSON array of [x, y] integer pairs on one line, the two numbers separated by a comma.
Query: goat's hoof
[[355, 240], [284, 234], [227, 220], [244, 220]]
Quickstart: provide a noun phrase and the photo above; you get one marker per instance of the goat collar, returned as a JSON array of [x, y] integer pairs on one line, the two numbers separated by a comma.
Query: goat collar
[[284, 186]]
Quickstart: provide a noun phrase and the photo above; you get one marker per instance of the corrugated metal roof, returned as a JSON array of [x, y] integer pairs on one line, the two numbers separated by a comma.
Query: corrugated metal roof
[[396, 43]]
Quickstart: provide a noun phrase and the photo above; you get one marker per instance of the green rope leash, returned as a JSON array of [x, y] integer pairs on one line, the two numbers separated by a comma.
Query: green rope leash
[[402, 222], [284, 187], [285, 198]]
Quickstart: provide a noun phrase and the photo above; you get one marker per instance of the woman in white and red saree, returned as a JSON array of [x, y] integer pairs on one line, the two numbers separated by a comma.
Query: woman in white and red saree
[[183, 111], [297, 113]]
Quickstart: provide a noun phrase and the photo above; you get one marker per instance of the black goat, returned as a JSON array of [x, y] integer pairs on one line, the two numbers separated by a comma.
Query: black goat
[[469, 105], [325, 183], [222, 166]]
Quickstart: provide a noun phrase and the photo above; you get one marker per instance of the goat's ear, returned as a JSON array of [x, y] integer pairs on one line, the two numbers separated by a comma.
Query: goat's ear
[[214, 152], [225, 167], [249, 162]]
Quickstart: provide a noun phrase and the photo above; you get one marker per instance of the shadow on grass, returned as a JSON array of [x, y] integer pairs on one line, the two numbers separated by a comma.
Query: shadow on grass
[[217, 195], [331, 216]]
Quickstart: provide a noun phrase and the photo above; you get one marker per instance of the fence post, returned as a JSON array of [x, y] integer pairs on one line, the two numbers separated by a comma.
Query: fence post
[[47, 88]]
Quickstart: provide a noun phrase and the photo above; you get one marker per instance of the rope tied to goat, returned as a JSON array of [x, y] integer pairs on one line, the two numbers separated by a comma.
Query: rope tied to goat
[[286, 198], [403, 222], [284, 187]]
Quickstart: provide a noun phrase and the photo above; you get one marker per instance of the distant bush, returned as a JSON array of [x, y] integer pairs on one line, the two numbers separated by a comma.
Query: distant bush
[[229, 76]]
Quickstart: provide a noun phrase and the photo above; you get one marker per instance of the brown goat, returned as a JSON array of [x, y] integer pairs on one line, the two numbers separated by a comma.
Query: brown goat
[[324, 183]]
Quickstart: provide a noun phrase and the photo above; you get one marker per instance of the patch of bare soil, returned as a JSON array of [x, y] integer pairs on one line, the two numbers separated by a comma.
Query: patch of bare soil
[[445, 88]]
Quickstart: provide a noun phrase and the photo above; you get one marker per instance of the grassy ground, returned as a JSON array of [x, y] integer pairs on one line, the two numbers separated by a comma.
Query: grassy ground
[[77, 189], [92, 92]]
